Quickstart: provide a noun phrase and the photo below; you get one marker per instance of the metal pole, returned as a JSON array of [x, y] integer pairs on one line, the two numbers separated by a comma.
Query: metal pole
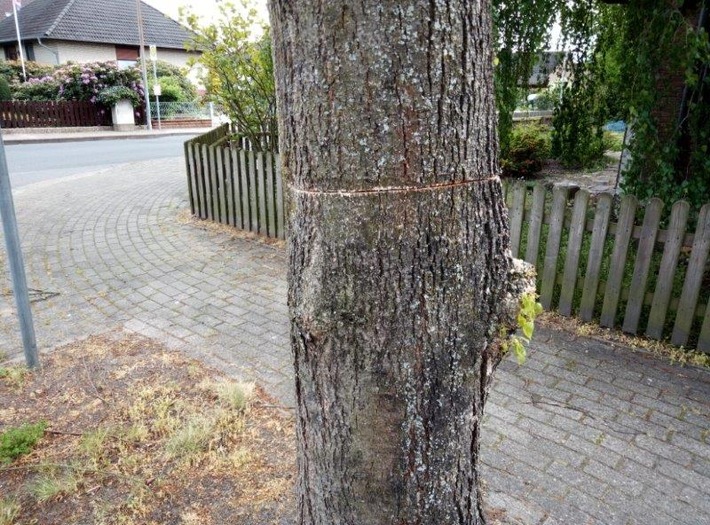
[[157, 98], [19, 41], [17, 266], [141, 38]]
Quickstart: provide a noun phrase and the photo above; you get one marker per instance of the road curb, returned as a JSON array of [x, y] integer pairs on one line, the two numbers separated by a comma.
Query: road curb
[[10, 140]]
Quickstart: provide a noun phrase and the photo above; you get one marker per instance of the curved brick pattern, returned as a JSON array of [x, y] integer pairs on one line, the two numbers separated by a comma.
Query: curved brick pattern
[[583, 433]]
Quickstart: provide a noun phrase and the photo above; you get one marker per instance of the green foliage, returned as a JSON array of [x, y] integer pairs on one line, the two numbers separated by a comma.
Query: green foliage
[[110, 96], [17, 441], [36, 89], [173, 80], [529, 310], [5, 93], [171, 91], [522, 30], [240, 72], [14, 375], [613, 141], [87, 81], [669, 163], [590, 30], [12, 70], [528, 147]]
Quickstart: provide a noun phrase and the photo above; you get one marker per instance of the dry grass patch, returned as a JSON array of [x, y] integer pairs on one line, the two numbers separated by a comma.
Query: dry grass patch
[[140, 435]]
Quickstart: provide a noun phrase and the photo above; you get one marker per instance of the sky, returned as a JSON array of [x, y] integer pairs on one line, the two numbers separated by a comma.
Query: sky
[[206, 8]]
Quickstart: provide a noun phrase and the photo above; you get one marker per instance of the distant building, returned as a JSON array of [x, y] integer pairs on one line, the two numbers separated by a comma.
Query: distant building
[[59, 31], [549, 70]]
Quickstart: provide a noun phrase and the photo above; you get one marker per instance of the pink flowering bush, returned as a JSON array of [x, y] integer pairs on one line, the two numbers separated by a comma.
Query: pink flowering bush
[[81, 82]]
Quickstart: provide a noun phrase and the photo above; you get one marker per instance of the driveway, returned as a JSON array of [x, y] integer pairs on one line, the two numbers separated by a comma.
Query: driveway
[[583, 433]]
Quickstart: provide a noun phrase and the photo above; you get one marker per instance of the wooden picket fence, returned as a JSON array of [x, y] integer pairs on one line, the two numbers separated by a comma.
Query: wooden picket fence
[[598, 257], [52, 114], [235, 186]]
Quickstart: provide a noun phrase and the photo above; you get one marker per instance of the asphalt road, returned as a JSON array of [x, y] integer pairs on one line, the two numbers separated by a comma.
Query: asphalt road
[[30, 163]]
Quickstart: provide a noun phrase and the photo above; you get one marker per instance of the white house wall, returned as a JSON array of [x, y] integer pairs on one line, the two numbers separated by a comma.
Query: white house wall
[[82, 52], [43, 55]]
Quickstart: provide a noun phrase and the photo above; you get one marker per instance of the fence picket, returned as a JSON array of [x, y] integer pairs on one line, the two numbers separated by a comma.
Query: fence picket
[[693, 279], [261, 192], [200, 173], [574, 248], [537, 211], [190, 169], [594, 262], [280, 201], [554, 237], [253, 196], [624, 231], [669, 265], [236, 187], [270, 204], [246, 191], [704, 339], [221, 179], [517, 212], [229, 186], [647, 242]]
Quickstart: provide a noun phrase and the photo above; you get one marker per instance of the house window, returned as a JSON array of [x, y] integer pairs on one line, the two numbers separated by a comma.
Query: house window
[[11, 52], [126, 56]]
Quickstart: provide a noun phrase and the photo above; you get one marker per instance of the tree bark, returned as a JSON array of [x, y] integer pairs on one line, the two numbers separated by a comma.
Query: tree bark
[[398, 253]]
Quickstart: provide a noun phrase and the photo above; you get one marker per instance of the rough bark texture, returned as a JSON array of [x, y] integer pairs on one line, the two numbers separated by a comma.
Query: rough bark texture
[[398, 242]]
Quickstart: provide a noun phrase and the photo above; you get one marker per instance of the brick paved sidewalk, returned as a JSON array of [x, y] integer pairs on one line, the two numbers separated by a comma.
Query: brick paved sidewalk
[[582, 433]]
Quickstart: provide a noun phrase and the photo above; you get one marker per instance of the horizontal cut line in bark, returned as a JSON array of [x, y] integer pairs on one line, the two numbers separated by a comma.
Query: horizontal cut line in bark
[[393, 189]]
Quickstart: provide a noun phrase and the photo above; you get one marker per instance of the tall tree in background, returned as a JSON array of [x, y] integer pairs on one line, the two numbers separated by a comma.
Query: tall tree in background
[[398, 268]]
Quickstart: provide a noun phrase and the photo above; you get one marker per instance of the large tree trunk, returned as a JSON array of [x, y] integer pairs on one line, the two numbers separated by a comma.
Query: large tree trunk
[[398, 242]]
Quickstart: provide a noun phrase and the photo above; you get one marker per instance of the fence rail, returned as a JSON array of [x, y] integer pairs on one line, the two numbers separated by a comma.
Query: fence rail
[[52, 114], [599, 258]]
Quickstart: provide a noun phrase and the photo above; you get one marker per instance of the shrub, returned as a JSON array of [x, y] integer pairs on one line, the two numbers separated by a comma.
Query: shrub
[[529, 146], [175, 84], [5, 93], [613, 141], [19, 440], [12, 70], [171, 90], [86, 81], [110, 96], [40, 89]]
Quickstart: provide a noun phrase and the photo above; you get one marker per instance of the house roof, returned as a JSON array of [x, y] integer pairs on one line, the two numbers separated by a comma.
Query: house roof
[[97, 21]]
